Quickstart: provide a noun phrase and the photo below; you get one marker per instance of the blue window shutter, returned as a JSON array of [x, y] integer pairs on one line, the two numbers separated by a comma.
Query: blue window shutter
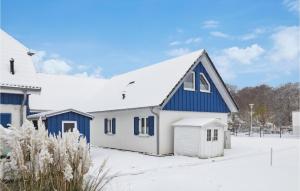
[[105, 125], [136, 125], [113, 121], [150, 124], [5, 119]]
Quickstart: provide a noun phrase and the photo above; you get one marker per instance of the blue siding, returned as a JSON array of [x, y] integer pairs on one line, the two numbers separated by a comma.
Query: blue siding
[[197, 101], [14, 99], [54, 123]]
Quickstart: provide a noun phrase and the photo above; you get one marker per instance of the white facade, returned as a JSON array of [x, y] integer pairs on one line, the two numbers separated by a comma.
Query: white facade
[[124, 137], [126, 140], [296, 122]]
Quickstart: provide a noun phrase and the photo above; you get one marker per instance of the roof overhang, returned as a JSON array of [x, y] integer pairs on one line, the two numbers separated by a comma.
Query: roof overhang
[[199, 122], [46, 114], [12, 88]]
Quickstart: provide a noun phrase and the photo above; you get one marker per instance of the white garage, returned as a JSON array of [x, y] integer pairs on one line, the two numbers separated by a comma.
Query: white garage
[[199, 137]]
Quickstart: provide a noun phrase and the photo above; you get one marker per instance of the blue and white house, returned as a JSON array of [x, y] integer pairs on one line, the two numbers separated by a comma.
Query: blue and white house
[[136, 110]]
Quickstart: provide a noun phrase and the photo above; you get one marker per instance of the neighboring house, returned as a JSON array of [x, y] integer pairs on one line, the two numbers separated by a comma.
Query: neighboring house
[[17, 80], [136, 110], [63, 121]]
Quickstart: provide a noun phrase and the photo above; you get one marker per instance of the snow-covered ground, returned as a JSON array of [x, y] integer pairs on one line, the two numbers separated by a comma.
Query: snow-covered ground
[[244, 167]]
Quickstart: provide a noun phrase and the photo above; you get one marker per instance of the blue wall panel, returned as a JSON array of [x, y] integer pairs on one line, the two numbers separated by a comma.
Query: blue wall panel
[[197, 101], [14, 99], [54, 123]]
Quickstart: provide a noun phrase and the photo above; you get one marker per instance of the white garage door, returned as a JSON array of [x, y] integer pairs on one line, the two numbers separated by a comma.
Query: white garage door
[[186, 141]]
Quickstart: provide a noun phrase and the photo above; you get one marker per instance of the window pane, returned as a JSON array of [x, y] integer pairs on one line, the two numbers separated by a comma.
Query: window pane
[[69, 127], [208, 135], [215, 135], [189, 81], [203, 83]]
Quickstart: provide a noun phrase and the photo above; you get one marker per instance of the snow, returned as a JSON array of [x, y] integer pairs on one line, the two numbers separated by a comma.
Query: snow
[[92, 94], [197, 122], [47, 114], [244, 167], [25, 76]]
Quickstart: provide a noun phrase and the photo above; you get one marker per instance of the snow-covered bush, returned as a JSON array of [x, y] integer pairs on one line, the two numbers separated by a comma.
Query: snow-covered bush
[[38, 161]]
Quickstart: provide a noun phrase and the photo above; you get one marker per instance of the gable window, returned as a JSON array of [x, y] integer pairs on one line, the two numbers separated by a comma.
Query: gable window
[[110, 126], [208, 136], [189, 82], [215, 138], [204, 84], [68, 126]]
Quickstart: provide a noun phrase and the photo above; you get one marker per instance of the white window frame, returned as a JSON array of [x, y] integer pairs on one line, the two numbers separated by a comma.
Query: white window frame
[[146, 130], [201, 90], [109, 126], [194, 85], [63, 125]]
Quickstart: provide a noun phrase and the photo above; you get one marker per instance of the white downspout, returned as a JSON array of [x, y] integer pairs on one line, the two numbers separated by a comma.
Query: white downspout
[[157, 129], [22, 107]]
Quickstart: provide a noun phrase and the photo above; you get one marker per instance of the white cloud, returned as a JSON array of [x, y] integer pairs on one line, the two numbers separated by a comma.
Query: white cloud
[[286, 45], [178, 52], [210, 24], [243, 55], [193, 40], [97, 73], [174, 43], [254, 34], [219, 34], [187, 41], [55, 66], [50, 64], [292, 5]]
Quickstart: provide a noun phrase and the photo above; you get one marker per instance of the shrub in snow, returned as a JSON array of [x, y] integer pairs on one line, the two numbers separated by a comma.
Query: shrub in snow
[[38, 161]]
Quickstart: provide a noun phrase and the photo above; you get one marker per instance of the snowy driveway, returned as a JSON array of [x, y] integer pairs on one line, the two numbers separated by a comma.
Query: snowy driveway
[[244, 167]]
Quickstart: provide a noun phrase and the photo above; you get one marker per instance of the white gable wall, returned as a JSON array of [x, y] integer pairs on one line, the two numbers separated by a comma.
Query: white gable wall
[[124, 137], [166, 131]]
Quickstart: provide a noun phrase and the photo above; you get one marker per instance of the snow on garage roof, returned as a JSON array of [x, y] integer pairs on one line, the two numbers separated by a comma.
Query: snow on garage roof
[[197, 122], [47, 114], [25, 75]]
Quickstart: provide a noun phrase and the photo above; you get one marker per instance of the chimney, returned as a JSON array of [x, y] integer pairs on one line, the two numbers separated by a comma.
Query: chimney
[[12, 66]]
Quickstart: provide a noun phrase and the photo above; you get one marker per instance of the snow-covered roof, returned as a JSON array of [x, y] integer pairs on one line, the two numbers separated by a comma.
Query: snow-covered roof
[[65, 91], [47, 114], [25, 75], [198, 122], [145, 87]]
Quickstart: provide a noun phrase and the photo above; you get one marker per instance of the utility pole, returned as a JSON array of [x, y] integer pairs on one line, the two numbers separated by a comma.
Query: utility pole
[[251, 113]]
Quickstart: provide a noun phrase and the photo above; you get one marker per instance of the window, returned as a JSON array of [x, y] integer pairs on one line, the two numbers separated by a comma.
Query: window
[[208, 137], [68, 126], [189, 82], [204, 84], [5, 119], [144, 130], [215, 135], [109, 126]]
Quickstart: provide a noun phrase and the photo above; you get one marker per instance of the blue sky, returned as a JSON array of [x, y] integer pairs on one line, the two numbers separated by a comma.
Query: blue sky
[[250, 42]]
